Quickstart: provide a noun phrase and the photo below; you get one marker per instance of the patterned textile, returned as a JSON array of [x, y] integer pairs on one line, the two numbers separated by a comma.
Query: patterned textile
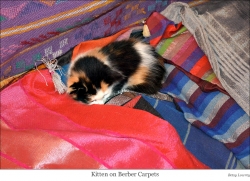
[[33, 29], [215, 113], [221, 29]]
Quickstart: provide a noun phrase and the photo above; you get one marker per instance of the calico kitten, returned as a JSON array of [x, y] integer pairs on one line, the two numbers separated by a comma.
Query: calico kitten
[[127, 64]]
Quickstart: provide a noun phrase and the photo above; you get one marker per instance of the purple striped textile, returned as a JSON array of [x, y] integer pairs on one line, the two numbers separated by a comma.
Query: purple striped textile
[[33, 29]]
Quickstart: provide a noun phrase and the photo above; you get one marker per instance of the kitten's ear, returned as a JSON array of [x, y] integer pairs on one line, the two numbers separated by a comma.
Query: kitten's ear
[[65, 58]]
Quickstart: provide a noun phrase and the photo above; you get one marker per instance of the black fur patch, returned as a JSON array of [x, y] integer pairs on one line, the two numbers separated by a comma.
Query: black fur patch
[[123, 56]]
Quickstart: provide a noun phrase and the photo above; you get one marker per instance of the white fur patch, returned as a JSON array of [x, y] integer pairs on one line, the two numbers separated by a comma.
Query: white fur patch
[[145, 52], [100, 95]]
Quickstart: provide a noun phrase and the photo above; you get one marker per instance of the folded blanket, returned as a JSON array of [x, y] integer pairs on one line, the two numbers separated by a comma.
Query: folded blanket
[[214, 112]]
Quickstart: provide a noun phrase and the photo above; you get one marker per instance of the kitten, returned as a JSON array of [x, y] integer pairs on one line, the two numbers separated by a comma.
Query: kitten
[[127, 64]]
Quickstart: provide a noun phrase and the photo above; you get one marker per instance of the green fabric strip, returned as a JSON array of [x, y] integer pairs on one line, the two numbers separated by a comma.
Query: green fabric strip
[[168, 41]]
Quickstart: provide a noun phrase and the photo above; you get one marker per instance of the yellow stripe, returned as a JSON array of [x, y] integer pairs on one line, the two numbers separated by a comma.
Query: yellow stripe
[[53, 19]]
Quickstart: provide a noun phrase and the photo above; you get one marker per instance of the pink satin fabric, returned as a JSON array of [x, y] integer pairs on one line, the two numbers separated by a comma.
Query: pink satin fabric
[[42, 129]]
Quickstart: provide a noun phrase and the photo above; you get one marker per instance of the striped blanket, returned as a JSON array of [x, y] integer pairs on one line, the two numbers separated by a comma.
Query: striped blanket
[[208, 150], [215, 113]]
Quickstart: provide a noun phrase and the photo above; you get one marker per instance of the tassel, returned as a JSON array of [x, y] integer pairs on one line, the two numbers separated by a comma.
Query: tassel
[[52, 66], [59, 85], [146, 32]]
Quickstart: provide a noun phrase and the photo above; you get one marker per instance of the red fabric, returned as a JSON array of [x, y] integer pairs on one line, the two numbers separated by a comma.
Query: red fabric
[[90, 44], [156, 22], [42, 129]]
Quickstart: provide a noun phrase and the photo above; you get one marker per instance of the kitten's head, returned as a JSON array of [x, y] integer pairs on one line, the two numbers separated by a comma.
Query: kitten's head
[[89, 80]]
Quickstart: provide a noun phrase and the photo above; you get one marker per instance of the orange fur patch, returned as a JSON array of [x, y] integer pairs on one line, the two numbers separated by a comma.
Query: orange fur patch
[[139, 76], [104, 86]]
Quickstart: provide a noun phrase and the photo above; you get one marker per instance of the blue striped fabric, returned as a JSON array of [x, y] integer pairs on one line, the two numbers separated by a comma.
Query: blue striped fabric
[[215, 113], [211, 152]]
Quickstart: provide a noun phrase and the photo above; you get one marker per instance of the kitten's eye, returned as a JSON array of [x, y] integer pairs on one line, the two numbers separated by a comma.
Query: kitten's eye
[[78, 86]]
